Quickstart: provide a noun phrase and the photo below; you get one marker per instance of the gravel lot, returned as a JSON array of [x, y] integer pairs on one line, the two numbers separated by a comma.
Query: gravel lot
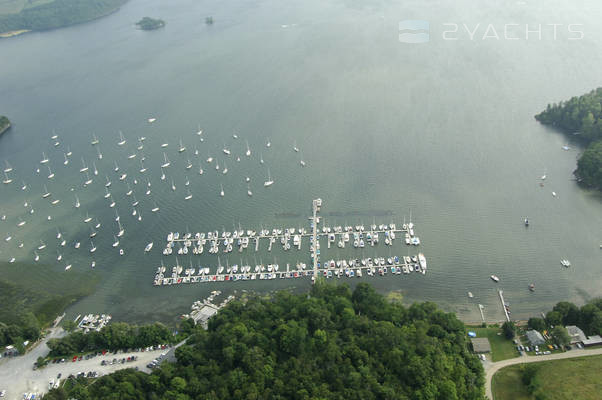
[[18, 377]]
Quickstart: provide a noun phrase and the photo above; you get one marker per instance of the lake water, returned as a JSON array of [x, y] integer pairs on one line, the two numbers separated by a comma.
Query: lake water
[[443, 130]]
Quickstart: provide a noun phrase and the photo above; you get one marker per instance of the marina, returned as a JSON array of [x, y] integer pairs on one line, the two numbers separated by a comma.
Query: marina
[[353, 267]]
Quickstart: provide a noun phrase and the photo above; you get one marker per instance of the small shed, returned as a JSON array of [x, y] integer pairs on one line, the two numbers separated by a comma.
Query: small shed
[[576, 334], [535, 338], [481, 345]]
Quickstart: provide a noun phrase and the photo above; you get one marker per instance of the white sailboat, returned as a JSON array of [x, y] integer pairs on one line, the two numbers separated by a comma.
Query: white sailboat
[[162, 174], [295, 148], [46, 192], [249, 190], [97, 223], [173, 185], [88, 218], [50, 173], [85, 167], [188, 196], [77, 204], [155, 208], [121, 229], [116, 169], [99, 153], [221, 193], [270, 181], [164, 145], [93, 247], [8, 168], [108, 184], [182, 148], [115, 241], [107, 193], [166, 162], [7, 180], [130, 191], [66, 162], [88, 179], [268, 144], [69, 152], [142, 167], [44, 159], [225, 170], [94, 140], [248, 153], [189, 165], [199, 131], [121, 139]]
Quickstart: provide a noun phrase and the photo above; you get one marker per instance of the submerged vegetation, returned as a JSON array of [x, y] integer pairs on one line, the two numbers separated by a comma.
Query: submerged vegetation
[[32, 304], [4, 124], [56, 14], [332, 344], [583, 116], [148, 24]]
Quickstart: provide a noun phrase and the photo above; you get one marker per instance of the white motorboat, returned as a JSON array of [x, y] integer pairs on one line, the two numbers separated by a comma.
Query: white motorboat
[[151, 120], [94, 140], [77, 204], [66, 162], [50, 173], [148, 247], [7, 180], [46, 192], [95, 169], [44, 159], [249, 191], [93, 247], [182, 147], [221, 193], [85, 167], [68, 267], [88, 218], [188, 196], [248, 153], [295, 148], [166, 162], [8, 168], [495, 278]]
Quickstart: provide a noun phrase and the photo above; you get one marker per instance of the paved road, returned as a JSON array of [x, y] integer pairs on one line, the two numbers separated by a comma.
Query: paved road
[[492, 368], [18, 377]]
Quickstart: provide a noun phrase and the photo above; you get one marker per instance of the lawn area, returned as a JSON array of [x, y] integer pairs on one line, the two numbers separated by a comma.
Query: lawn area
[[571, 379], [501, 348]]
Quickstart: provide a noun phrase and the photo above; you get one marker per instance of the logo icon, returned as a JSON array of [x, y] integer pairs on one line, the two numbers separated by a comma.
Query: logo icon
[[414, 31]]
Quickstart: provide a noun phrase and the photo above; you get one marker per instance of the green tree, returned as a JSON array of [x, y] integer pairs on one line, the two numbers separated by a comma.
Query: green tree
[[560, 335], [537, 323], [509, 329]]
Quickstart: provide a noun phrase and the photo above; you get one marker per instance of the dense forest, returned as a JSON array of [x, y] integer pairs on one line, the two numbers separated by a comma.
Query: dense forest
[[30, 305], [329, 344], [148, 24], [581, 115], [114, 336], [57, 13], [588, 317]]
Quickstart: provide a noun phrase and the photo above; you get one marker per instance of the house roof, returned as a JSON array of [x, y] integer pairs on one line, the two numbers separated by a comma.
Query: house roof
[[481, 345]]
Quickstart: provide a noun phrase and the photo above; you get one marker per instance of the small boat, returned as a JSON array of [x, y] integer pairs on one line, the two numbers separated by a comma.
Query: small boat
[[68, 267], [116, 169], [66, 162], [42, 245], [188, 196], [93, 264], [95, 169], [44, 159], [526, 221], [495, 278], [55, 202], [46, 192], [123, 176], [200, 170], [135, 203], [8, 168], [107, 194], [566, 148], [24, 187], [21, 223], [543, 177], [554, 194], [121, 230], [94, 140], [164, 145], [115, 241], [532, 287], [88, 218], [142, 167], [173, 185], [565, 263], [77, 204], [261, 159], [268, 144], [225, 170], [7, 180], [226, 151], [155, 208], [88, 180], [97, 151], [130, 191], [151, 120], [166, 162], [148, 247], [189, 165], [248, 153], [69, 152], [97, 224], [108, 184], [92, 248], [249, 190], [121, 139], [235, 136], [85, 167], [470, 295], [132, 156], [199, 131], [295, 148], [77, 245], [247, 179], [270, 181], [302, 163], [182, 147], [36, 257], [209, 159], [221, 193]]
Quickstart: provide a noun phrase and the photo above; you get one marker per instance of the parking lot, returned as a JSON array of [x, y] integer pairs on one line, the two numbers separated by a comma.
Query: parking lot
[[18, 377]]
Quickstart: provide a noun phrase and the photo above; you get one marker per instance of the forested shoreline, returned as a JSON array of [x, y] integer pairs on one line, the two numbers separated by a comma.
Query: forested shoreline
[[581, 116], [57, 14], [329, 344]]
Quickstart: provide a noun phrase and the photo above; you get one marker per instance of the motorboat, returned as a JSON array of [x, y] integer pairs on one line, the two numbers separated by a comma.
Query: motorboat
[[148, 247], [121, 139], [495, 278]]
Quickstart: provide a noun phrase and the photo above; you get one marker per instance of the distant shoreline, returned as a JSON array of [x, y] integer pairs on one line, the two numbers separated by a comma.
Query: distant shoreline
[[18, 32]]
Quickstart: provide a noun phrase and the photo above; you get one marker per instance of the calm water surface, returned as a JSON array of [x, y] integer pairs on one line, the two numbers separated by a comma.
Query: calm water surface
[[443, 130]]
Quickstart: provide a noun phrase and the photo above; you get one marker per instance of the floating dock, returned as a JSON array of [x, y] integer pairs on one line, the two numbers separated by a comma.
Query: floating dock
[[354, 267]]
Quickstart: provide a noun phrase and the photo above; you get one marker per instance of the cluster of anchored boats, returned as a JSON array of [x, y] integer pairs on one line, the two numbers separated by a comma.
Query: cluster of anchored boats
[[340, 268]]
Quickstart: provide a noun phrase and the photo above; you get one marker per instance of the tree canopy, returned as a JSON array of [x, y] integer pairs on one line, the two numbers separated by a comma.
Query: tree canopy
[[588, 317], [581, 115], [332, 344]]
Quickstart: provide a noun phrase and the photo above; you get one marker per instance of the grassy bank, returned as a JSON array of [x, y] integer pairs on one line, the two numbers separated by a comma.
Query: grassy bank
[[575, 378]]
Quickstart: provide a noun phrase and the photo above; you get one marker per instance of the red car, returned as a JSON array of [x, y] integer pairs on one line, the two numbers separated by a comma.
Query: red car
[[74, 359]]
